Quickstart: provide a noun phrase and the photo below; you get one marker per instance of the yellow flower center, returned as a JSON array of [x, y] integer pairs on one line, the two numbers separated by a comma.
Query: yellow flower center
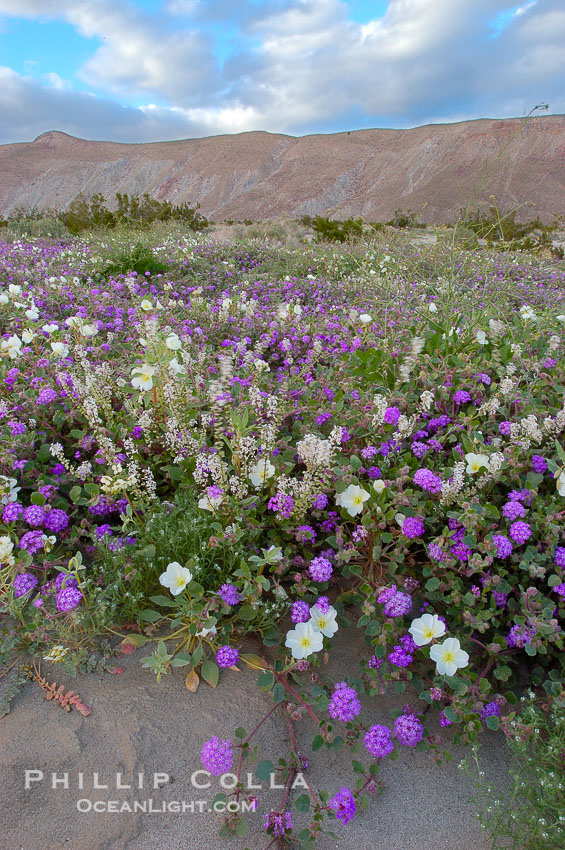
[[357, 500], [305, 642], [428, 632], [449, 657], [180, 581], [322, 623]]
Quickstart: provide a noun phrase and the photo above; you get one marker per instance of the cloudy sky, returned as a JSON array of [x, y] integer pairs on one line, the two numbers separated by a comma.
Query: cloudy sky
[[152, 70]]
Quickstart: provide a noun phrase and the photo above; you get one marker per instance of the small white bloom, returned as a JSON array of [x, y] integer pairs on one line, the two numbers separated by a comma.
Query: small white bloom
[[143, 377], [527, 312], [12, 346], [146, 305], [304, 640], [14, 289], [32, 314], [260, 471], [561, 483], [28, 335], [297, 310], [51, 328], [379, 486], [89, 330], [352, 499], [8, 490], [432, 307], [5, 300], [475, 462], [561, 318], [59, 349], [365, 318], [210, 503], [176, 368], [426, 628], [205, 632], [481, 338], [323, 622], [175, 578], [173, 342], [449, 657]]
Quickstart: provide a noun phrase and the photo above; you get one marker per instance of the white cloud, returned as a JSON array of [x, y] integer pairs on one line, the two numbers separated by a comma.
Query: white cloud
[[311, 67]]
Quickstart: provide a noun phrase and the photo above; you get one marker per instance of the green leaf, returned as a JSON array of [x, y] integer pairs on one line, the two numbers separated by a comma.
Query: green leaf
[[492, 722], [246, 612], [38, 499], [74, 494], [265, 679], [241, 827], [432, 584], [302, 803], [264, 769], [181, 659], [317, 743], [278, 692], [197, 655], [240, 732], [210, 673], [163, 600], [150, 616]]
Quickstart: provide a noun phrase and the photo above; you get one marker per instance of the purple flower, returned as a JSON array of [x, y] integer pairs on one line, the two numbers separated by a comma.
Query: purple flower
[[499, 598], [68, 598], [504, 428], [485, 379], [408, 730], [491, 709], [375, 663], [426, 479], [560, 589], [559, 558], [34, 516], [461, 551], [398, 605], [46, 396], [322, 418], [378, 741], [539, 464], [229, 594], [217, 756], [320, 569], [503, 545], [282, 504], [419, 449], [103, 530], [300, 612], [374, 472], [519, 636], [391, 415], [12, 512], [227, 656], [368, 452], [56, 520], [305, 534], [461, 397], [32, 541], [320, 501], [513, 510], [343, 804], [65, 580], [436, 552], [407, 643], [443, 720], [413, 526], [520, 531], [23, 583], [278, 823], [323, 604], [344, 704], [399, 657]]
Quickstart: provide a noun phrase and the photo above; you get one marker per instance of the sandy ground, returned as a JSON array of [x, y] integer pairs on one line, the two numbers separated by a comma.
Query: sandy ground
[[139, 726]]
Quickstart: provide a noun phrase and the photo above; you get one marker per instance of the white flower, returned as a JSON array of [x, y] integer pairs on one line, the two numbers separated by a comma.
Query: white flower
[[176, 368], [475, 462], [8, 490], [210, 503], [282, 311], [449, 657], [175, 578], [561, 483], [6, 547], [205, 632], [14, 289], [297, 310], [323, 622], [146, 305], [304, 640], [4, 299], [432, 307], [173, 342], [561, 318], [159, 306], [226, 303], [143, 379], [59, 349], [365, 318], [74, 321], [28, 335], [527, 312], [51, 328], [379, 485], [89, 330], [13, 346], [426, 628], [481, 338], [262, 470], [352, 499], [32, 314]]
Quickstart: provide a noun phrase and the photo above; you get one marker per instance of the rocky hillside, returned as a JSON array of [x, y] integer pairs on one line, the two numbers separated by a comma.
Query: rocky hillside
[[435, 170]]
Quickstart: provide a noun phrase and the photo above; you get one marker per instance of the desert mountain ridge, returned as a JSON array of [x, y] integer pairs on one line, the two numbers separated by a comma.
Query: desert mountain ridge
[[434, 170]]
